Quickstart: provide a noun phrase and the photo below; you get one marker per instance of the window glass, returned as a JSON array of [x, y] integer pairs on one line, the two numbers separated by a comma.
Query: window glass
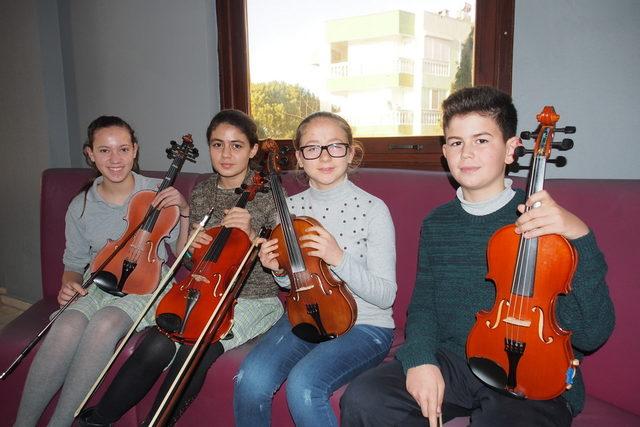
[[384, 66]]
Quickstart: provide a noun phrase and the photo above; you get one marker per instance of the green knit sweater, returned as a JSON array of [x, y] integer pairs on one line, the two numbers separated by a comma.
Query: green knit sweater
[[451, 287]]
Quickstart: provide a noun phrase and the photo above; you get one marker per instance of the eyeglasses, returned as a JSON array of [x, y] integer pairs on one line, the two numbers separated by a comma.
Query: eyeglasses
[[311, 152]]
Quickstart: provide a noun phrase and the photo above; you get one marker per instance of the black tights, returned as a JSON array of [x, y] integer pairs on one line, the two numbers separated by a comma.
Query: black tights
[[140, 372]]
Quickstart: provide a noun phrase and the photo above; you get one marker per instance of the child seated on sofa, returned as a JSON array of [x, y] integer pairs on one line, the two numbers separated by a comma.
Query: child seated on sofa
[[84, 336], [430, 377], [356, 239]]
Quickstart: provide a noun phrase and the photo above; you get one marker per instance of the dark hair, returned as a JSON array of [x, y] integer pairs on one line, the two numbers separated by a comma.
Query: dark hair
[[236, 119], [104, 122], [342, 124], [483, 100]]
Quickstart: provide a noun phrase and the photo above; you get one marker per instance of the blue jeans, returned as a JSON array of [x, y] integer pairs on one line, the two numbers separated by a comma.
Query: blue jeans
[[313, 372]]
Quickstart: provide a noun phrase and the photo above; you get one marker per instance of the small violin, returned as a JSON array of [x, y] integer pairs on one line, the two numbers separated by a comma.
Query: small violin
[[136, 268], [319, 306], [183, 312], [518, 346]]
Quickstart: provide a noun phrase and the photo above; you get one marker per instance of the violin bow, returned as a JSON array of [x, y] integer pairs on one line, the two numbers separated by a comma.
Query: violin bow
[[160, 417], [152, 300], [75, 296]]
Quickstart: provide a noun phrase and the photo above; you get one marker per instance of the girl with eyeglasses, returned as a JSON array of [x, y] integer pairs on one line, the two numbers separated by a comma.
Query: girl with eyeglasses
[[357, 242]]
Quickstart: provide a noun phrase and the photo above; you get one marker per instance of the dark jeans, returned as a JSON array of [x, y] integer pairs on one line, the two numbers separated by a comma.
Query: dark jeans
[[379, 397]]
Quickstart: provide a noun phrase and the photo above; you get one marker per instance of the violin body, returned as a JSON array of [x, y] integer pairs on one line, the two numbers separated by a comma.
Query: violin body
[[136, 268], [520, 347], [185, 310], [317, 302]]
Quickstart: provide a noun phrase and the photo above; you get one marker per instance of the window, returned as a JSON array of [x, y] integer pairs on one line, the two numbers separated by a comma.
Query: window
[[385, 70]]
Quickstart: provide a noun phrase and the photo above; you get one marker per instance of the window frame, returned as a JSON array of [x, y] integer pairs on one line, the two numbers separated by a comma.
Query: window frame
[[493, 37]]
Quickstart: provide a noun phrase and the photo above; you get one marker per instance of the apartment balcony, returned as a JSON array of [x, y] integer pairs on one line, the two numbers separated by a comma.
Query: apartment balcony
[[386, 123], [436, 68], [349, 76], [431, 117]]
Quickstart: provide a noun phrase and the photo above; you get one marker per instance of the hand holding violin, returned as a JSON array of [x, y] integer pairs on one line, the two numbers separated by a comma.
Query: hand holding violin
[[548, 218], [238, 218], [171, 197], [426, 385], [324, 245], [269, 254]]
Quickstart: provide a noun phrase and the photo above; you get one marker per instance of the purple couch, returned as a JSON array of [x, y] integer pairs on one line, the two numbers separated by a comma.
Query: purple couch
[[610, 207]]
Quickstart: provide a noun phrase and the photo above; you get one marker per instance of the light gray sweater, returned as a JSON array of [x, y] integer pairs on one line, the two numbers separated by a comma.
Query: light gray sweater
[[89, 223], [362, 226]]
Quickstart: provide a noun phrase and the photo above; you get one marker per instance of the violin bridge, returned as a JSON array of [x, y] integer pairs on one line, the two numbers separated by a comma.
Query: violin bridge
[[517, 322]]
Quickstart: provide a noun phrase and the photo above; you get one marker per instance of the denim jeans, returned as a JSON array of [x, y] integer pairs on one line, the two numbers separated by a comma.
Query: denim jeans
[[313, 372]]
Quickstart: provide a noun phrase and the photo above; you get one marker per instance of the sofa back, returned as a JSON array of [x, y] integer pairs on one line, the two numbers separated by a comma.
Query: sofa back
[[609, 207]]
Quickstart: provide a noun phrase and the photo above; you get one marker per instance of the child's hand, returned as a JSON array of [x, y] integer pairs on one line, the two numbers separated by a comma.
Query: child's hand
[[238, 218], [268, 254], [324, 245], [171, 197], [70, 287], [548, 218], [426, 385], [202, 239]]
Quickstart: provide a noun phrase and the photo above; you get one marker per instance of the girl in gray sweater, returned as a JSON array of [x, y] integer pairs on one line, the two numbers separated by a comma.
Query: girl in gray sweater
[[357, 241], [83, 338]]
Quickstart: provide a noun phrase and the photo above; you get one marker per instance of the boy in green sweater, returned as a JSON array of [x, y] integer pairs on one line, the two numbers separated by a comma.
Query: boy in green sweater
[[430, 376]]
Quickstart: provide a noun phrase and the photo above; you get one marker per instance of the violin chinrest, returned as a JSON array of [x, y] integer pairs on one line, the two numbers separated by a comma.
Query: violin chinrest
[[309, 333], [491, 374], [169, 322], [108, 282]]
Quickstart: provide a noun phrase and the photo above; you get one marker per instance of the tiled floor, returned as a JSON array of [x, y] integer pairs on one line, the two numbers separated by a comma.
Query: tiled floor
[[8, 313]]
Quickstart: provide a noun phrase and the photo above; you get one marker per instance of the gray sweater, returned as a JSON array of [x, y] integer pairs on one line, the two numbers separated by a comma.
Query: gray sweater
[[89, 223], [362, 226]]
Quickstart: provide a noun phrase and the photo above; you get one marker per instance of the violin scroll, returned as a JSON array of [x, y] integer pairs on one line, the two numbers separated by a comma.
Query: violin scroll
[[186, 150], [544, 142]]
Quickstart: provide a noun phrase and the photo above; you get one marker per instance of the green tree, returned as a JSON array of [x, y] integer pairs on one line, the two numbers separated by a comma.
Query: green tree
[[464, 76], [279, 107]]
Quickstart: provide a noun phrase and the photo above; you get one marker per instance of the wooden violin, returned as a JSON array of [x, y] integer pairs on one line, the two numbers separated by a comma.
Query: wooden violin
[[319, 306], [136, 267], [184, 310], [210, 333], [518, 346]]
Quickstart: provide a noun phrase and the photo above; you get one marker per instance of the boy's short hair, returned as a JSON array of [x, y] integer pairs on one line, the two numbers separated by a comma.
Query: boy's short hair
[[483, 100]]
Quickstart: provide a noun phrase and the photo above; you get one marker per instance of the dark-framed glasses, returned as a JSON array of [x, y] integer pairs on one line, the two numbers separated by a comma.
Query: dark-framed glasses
[[311, 152]]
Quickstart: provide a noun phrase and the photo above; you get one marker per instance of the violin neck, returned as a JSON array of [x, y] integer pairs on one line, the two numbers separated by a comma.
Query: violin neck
[[291, 241], [172, 173], [216, 247]]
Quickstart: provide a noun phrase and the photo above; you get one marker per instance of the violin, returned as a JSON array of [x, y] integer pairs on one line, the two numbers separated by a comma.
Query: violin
[[319, 306], [136, 267], [183, 311], [209, 334], [518, 347]]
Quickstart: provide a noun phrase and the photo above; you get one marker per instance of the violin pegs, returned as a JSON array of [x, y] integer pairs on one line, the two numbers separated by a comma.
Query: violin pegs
[[567, 129], [515, 167], [559, 161], [564, 145], [526, 135], [521, 151]]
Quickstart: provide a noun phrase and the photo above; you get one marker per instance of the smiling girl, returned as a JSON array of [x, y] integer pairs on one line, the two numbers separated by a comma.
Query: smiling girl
[[357, 242], [83, 338], [233, 142]]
